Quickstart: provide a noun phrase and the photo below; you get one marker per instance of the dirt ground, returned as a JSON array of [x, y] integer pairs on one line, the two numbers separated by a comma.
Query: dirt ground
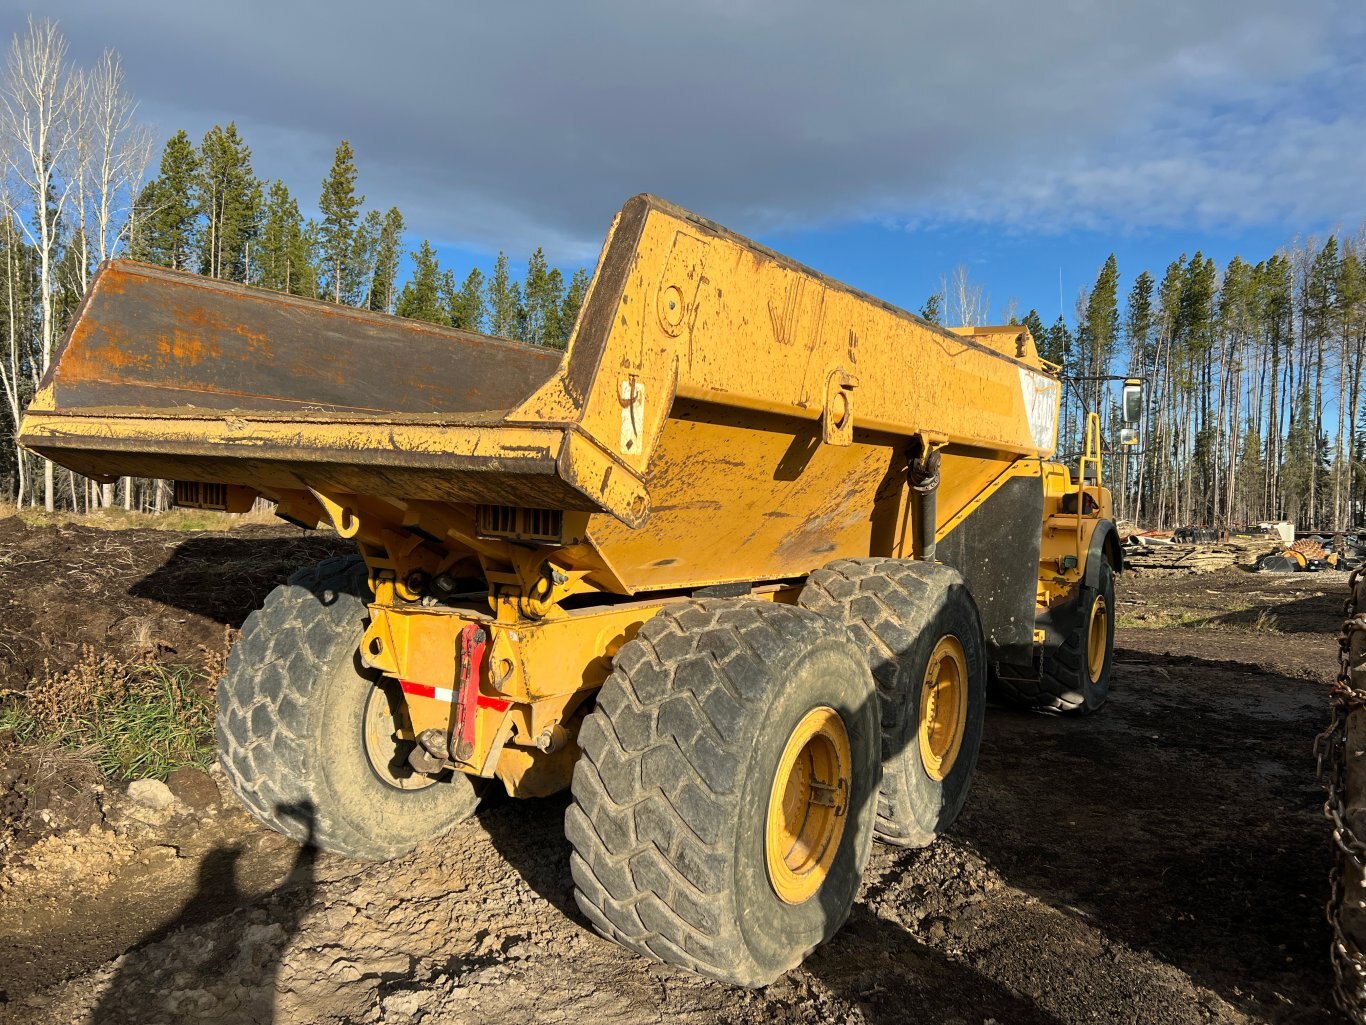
[[1162, 861], [127, 592]]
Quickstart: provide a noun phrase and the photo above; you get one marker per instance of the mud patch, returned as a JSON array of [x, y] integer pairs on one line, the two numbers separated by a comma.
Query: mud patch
[[62, 587], [125, 592], [1163, 861]]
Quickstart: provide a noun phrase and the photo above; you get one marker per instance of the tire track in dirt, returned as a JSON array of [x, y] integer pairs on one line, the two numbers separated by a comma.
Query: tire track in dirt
[[1163, 861], [1053, 901]]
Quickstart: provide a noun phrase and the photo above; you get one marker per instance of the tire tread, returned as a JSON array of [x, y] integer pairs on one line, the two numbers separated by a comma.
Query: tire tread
[[876, 598], [655, 786]]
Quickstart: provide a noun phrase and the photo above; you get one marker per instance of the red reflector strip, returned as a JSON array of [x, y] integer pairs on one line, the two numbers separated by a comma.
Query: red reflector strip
[[421, 690]]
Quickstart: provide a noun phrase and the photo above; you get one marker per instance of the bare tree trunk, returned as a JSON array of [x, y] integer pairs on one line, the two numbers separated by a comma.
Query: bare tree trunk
[[1316, 419], [36, 107], [967, 301], [11, 370], [1232, 388]]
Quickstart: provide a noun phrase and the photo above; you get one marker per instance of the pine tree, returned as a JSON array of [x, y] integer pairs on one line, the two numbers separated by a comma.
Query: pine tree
[[505, 300], [1299, 470], [164, 214], [388, 252], [468, 308], [446, 294], [1102, 318], [1320, 306], [1138, 324], [1033, 323], [229, 198], [283, 260], [359, 275], [1057, 343], [534, 298], [542, 296], [1275, 312], [340, 209], [518, 312], [1198, 324], [574, 295], [312, 247], [556, 330], [421, 296], [933, 309], [1351, 357], [272, 260]]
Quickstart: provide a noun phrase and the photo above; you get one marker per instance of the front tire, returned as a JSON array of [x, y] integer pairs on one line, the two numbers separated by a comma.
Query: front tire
[[1072, 674], [306, 734], [724, 803]]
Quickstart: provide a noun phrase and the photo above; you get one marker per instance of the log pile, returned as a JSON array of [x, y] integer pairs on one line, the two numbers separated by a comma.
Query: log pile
[[1207, 558]]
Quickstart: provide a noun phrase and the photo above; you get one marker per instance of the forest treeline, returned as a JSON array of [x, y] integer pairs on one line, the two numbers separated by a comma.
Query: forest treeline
[[1253, 370], [1253, 383], [206, 211], [84, 182]]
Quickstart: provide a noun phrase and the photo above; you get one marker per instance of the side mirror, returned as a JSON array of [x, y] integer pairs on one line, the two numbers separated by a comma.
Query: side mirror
[[1131, 403], [1128, 436]]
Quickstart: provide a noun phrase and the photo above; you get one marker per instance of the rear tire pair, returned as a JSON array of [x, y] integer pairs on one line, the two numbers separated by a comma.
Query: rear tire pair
[[728, 793], [920, 632], [689, 845]]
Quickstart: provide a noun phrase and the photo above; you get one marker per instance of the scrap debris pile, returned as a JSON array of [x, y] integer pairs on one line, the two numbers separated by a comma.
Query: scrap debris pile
[[1309, 554], [1157, 554], [1270, 548]]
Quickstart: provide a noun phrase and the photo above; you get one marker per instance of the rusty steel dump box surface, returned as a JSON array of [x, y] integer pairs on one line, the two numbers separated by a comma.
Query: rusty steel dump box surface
[[721, 413]]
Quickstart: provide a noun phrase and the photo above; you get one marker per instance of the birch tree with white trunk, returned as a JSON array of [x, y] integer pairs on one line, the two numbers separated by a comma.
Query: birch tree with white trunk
[[16, 358], [36, 107], [114, 151], [968, 302]]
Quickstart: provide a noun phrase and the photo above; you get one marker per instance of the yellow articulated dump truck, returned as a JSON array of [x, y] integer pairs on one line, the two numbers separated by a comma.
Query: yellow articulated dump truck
[[736, 568]]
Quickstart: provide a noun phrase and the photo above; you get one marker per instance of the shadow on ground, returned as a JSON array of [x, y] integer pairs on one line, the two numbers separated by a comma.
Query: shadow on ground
[[1183, 819], [1181, 822], [225, 577], [227, 975]]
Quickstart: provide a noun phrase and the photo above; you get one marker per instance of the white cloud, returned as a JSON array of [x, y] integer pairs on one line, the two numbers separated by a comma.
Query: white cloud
[[516, 124]]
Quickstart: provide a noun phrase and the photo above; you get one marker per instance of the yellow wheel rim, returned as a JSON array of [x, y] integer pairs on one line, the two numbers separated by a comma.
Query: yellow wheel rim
[[943, 707], [1096, 637], [808, 805], [383, 729]]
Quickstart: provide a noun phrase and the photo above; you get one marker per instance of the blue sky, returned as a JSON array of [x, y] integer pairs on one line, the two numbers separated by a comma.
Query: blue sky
[[880, 142], [903, 265]]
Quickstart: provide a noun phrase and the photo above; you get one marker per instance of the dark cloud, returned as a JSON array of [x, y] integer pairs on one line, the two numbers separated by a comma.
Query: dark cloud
[[508, 124]]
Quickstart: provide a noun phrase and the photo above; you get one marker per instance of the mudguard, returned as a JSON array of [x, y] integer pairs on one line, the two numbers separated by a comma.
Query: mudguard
[[1104, 545]]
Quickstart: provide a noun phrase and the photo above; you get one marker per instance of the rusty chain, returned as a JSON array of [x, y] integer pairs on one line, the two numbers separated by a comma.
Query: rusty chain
[[1349, 871]]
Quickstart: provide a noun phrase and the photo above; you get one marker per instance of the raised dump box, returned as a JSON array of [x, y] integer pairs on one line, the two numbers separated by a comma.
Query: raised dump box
[[684, 547]]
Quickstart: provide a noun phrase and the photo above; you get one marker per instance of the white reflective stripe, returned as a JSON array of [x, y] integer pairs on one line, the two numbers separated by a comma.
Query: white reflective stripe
[[1041, 408], [421, 690]]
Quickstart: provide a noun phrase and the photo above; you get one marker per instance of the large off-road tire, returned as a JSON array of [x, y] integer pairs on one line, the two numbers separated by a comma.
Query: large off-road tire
[[1072, 674], [699, 837], [305, 733], [921, 634]]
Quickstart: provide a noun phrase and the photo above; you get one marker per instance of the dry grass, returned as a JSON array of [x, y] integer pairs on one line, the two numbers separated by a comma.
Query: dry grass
[[133, 717], [120, 519], [1245, 619]]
